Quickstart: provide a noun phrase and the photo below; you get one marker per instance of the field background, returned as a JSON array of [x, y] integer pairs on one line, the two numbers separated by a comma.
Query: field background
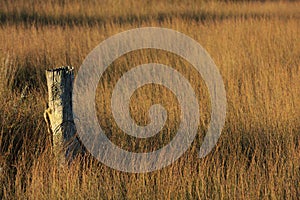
[[255, 44]]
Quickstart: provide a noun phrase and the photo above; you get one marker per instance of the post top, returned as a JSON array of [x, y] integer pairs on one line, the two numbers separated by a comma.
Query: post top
[[63, 68]]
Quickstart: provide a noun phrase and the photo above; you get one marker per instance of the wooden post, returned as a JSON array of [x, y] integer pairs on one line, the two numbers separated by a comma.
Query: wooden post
[[59, 114]]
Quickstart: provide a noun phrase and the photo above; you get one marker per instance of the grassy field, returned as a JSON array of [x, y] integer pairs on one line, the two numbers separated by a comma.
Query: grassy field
[[256, 46]]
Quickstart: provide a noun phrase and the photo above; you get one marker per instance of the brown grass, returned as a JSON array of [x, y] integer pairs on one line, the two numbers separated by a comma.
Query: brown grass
[[254, 44]]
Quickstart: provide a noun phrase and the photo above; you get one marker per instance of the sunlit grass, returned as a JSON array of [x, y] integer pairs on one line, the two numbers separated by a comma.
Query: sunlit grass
[[255, 46]]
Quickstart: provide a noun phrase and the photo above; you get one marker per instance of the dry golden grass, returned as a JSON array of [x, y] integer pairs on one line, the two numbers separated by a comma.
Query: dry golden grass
[[254, 44]]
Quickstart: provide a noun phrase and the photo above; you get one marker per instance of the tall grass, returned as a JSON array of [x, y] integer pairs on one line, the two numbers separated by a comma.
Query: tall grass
[[254, 44]]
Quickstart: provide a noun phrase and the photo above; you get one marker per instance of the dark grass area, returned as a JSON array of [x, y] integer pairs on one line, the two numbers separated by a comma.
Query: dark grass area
[[39, 20]]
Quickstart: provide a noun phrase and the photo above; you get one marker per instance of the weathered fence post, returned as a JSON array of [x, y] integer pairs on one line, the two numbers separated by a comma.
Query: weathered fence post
[[59, 114]]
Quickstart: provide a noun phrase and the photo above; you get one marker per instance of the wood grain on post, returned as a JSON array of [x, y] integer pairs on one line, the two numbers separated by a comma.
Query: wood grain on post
[[59, 114]]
